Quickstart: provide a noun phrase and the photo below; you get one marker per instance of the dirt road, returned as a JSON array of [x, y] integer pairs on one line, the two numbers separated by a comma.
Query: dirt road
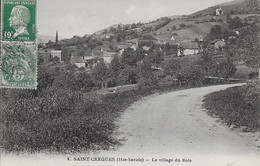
[[168, 127], [175, 123]]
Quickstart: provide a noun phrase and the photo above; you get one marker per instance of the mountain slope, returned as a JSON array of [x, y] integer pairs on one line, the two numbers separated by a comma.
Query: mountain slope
[[234, 7]]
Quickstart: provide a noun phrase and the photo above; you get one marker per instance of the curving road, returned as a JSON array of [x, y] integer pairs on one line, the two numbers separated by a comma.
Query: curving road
[[168, 126], [176, 123]]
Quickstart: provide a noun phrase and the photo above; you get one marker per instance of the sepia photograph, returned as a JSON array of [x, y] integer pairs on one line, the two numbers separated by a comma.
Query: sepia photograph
[[130, 83]]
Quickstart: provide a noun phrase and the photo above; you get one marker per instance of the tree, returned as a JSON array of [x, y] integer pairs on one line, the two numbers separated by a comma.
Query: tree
[[250, 45], [235, 23], [155, 58], [65, 55], [56, 60], [226, 69], [131, 57], [174, 28], [147, 80], [101, 74], [115, 66], [79, 81], [192, 75], [215, 32], [206, 60], [172, 67], [50, 44], [128, 75], [182, 26]]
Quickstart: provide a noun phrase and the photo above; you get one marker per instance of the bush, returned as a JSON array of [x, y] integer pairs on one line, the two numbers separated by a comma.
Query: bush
[[253, 75], [62, 121], [237, 106], [147, 84]]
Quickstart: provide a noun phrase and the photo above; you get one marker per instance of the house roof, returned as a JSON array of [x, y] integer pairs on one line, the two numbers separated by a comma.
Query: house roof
[[146, 48], [77, 59], [122, 46], [109, 54], [56, 51], [189, 45], [216, 40]]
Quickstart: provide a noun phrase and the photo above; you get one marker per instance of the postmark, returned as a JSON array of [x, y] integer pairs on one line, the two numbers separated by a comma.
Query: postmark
[[18, 66], [19, 20]]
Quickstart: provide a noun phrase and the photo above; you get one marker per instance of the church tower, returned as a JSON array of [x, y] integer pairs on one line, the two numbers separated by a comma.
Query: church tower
[[57, 37]]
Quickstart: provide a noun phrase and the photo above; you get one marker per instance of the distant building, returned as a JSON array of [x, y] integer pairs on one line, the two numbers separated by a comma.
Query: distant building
[[108, 56], [147, 40], [120, 53], [145, 48], [162, 42], [219, 12], [134, 48], [218, 44], [188, 48], [56, 53], [79, 61]]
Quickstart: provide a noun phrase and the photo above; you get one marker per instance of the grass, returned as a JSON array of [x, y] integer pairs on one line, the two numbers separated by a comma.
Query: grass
[[237, 107]]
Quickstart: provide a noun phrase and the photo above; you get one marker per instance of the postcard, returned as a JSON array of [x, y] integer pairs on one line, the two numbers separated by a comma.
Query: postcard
[[135, 83]]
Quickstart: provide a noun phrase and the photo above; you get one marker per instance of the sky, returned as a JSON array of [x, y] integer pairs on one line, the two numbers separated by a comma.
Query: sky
[[81, 17]]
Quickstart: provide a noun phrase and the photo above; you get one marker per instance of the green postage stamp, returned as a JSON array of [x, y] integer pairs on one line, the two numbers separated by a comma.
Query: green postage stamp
[[18, 44], [19, 20], [19, 68]]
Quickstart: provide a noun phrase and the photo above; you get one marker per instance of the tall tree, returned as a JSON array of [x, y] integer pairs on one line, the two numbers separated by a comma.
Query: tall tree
[[115, 65]]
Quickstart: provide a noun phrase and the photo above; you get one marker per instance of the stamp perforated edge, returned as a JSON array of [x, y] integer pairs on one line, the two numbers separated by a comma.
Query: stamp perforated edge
[[17, 42]]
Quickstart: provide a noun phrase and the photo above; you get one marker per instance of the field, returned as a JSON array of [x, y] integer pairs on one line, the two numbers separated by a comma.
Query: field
[[199, 30]]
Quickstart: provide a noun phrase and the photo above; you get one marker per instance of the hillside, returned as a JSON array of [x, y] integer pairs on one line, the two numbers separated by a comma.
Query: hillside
[[234, 7], [172, 29], [99, 32]]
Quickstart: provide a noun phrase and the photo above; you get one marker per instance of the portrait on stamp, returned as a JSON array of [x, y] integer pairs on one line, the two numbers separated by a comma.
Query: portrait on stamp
[[19, 21]]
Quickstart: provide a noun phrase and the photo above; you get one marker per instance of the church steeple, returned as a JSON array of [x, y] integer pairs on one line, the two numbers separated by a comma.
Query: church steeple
[[57, 37]]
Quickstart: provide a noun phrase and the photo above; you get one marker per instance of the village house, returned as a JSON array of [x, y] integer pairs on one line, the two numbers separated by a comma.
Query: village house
[[148, 41], [108, 56], [219, 12], [146, 48], [188, 48], [218, 44], [162, 42], [120, 52], [56, 53], [79, 61]]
